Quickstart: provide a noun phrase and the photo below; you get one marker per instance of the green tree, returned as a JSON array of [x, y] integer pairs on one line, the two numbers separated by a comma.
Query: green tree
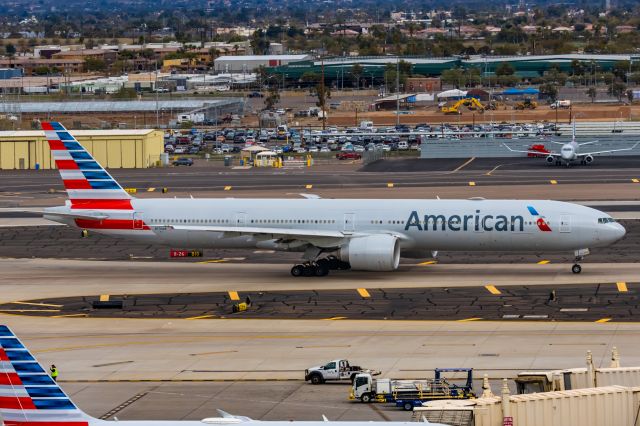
[[91, 64], [323, 93], [356, 72], [272, 98], [505, 68], [592, 93], [549, 90], [454, 77], [617, 89], [10, 49]]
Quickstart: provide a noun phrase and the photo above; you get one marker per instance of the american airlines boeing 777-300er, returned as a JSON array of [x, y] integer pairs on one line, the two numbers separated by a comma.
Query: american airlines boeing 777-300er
[[30, 397], [367, 235]]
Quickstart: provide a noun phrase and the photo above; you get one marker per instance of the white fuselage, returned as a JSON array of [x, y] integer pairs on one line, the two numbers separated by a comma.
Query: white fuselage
[[420, 225]]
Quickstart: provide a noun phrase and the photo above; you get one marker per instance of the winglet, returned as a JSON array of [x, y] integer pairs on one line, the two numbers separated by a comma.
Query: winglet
[[311, 196]]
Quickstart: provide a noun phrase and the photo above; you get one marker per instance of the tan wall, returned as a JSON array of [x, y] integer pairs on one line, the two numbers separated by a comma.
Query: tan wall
[[110, 150]]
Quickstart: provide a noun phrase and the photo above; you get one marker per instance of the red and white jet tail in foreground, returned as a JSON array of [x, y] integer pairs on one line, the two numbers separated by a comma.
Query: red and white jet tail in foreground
[[28, 395]]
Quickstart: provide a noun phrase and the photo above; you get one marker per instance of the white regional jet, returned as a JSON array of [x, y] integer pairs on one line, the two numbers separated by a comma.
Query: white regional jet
[[365, 235], [570, 151], [29, 397]]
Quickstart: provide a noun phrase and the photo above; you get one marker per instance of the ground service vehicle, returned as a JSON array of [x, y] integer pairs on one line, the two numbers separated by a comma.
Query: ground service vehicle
[[338, 369], [471, 103], [183, 162], [564, 104], [411, 393], [526, 104]]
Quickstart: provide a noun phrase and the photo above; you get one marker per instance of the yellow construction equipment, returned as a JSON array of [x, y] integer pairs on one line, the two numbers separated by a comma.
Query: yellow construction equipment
[[471, 103], [526, 104]]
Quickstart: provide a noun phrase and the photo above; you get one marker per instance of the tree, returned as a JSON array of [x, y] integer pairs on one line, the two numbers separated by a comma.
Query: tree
[[549, 90], [356, 72], [617, 89], [453, 77], [91, 64], [505, 68], [10, 49], [272, 98], [592, 93], [323, 93]]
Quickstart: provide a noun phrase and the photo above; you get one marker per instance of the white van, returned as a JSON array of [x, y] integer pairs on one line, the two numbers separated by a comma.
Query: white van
[[403, 145]]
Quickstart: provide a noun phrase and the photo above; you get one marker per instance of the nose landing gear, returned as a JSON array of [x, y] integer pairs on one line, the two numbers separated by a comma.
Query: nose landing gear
[[579, 255]]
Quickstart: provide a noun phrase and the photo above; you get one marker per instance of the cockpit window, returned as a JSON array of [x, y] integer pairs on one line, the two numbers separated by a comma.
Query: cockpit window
[[606, 220]]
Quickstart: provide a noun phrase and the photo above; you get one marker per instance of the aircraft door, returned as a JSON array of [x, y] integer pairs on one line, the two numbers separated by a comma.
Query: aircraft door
[[138, 220], [565, 223], [241, 219], [349, 222]]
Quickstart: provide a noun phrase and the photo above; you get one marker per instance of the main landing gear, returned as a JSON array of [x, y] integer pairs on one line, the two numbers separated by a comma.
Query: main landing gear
[[319, 268]]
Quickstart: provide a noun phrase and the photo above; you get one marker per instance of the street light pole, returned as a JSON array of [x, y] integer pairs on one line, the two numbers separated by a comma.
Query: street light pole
[[398, 90]]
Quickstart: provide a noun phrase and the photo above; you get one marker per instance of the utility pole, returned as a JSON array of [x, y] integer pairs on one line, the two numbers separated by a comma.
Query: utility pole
[[322, 95], [157, 93], [398, 90]]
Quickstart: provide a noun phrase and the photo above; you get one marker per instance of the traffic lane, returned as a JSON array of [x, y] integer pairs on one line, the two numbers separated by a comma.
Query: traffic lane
[[48, 241], [430, 173], [584, 302]]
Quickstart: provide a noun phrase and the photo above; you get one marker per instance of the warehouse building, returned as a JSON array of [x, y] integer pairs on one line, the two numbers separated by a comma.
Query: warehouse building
[[127, 149], [249, 63]]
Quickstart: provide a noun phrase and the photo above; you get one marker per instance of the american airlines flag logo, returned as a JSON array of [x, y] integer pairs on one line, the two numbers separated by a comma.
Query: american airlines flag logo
[[543, 225]]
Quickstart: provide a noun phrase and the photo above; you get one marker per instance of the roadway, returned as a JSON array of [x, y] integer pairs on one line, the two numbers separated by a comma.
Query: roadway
[[410, 173]]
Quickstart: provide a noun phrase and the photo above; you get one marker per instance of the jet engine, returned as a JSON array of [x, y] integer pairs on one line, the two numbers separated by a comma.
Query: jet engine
[[550, 159], [588, 159], [372, 253]]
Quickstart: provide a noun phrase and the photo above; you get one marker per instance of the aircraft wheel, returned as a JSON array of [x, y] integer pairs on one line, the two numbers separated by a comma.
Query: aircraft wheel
[[321, 271], [309, 270], [576, 269], [343, 265], [297, 270]]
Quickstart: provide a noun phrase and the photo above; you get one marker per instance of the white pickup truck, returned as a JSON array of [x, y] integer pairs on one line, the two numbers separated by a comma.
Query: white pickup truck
[[338, 369]]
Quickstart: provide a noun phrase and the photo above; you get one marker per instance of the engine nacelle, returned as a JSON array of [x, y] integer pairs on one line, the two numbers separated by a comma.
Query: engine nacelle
[[550, 159], [372, 253], [588, 159]]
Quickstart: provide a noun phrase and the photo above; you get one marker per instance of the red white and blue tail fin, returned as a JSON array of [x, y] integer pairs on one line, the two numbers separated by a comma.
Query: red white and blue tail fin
[[28, 395], [88, 184]]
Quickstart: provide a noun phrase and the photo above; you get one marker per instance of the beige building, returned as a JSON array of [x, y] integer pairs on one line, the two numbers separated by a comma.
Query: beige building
[[127, 149]]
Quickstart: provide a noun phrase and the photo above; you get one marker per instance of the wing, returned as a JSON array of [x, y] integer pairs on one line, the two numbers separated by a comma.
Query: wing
[[52, 212], [553, 154], [583, 154], [318, 238]]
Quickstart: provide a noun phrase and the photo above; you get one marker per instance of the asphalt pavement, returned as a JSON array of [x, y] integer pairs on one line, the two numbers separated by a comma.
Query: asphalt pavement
[[584, 302]]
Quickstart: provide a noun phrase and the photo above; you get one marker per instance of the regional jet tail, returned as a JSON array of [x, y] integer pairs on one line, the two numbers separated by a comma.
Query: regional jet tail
[[30, 397], [368, 235]]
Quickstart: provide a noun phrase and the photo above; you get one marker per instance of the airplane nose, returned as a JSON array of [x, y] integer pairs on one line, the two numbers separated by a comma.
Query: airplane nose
[[620, 231]]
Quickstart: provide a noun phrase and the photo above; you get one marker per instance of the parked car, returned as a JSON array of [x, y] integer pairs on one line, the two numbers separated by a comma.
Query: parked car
[[183, 162], [348, 155], [255, 95]]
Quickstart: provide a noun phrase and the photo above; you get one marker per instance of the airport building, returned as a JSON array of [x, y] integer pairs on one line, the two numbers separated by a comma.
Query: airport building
[[339, 69], [127, 149]]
